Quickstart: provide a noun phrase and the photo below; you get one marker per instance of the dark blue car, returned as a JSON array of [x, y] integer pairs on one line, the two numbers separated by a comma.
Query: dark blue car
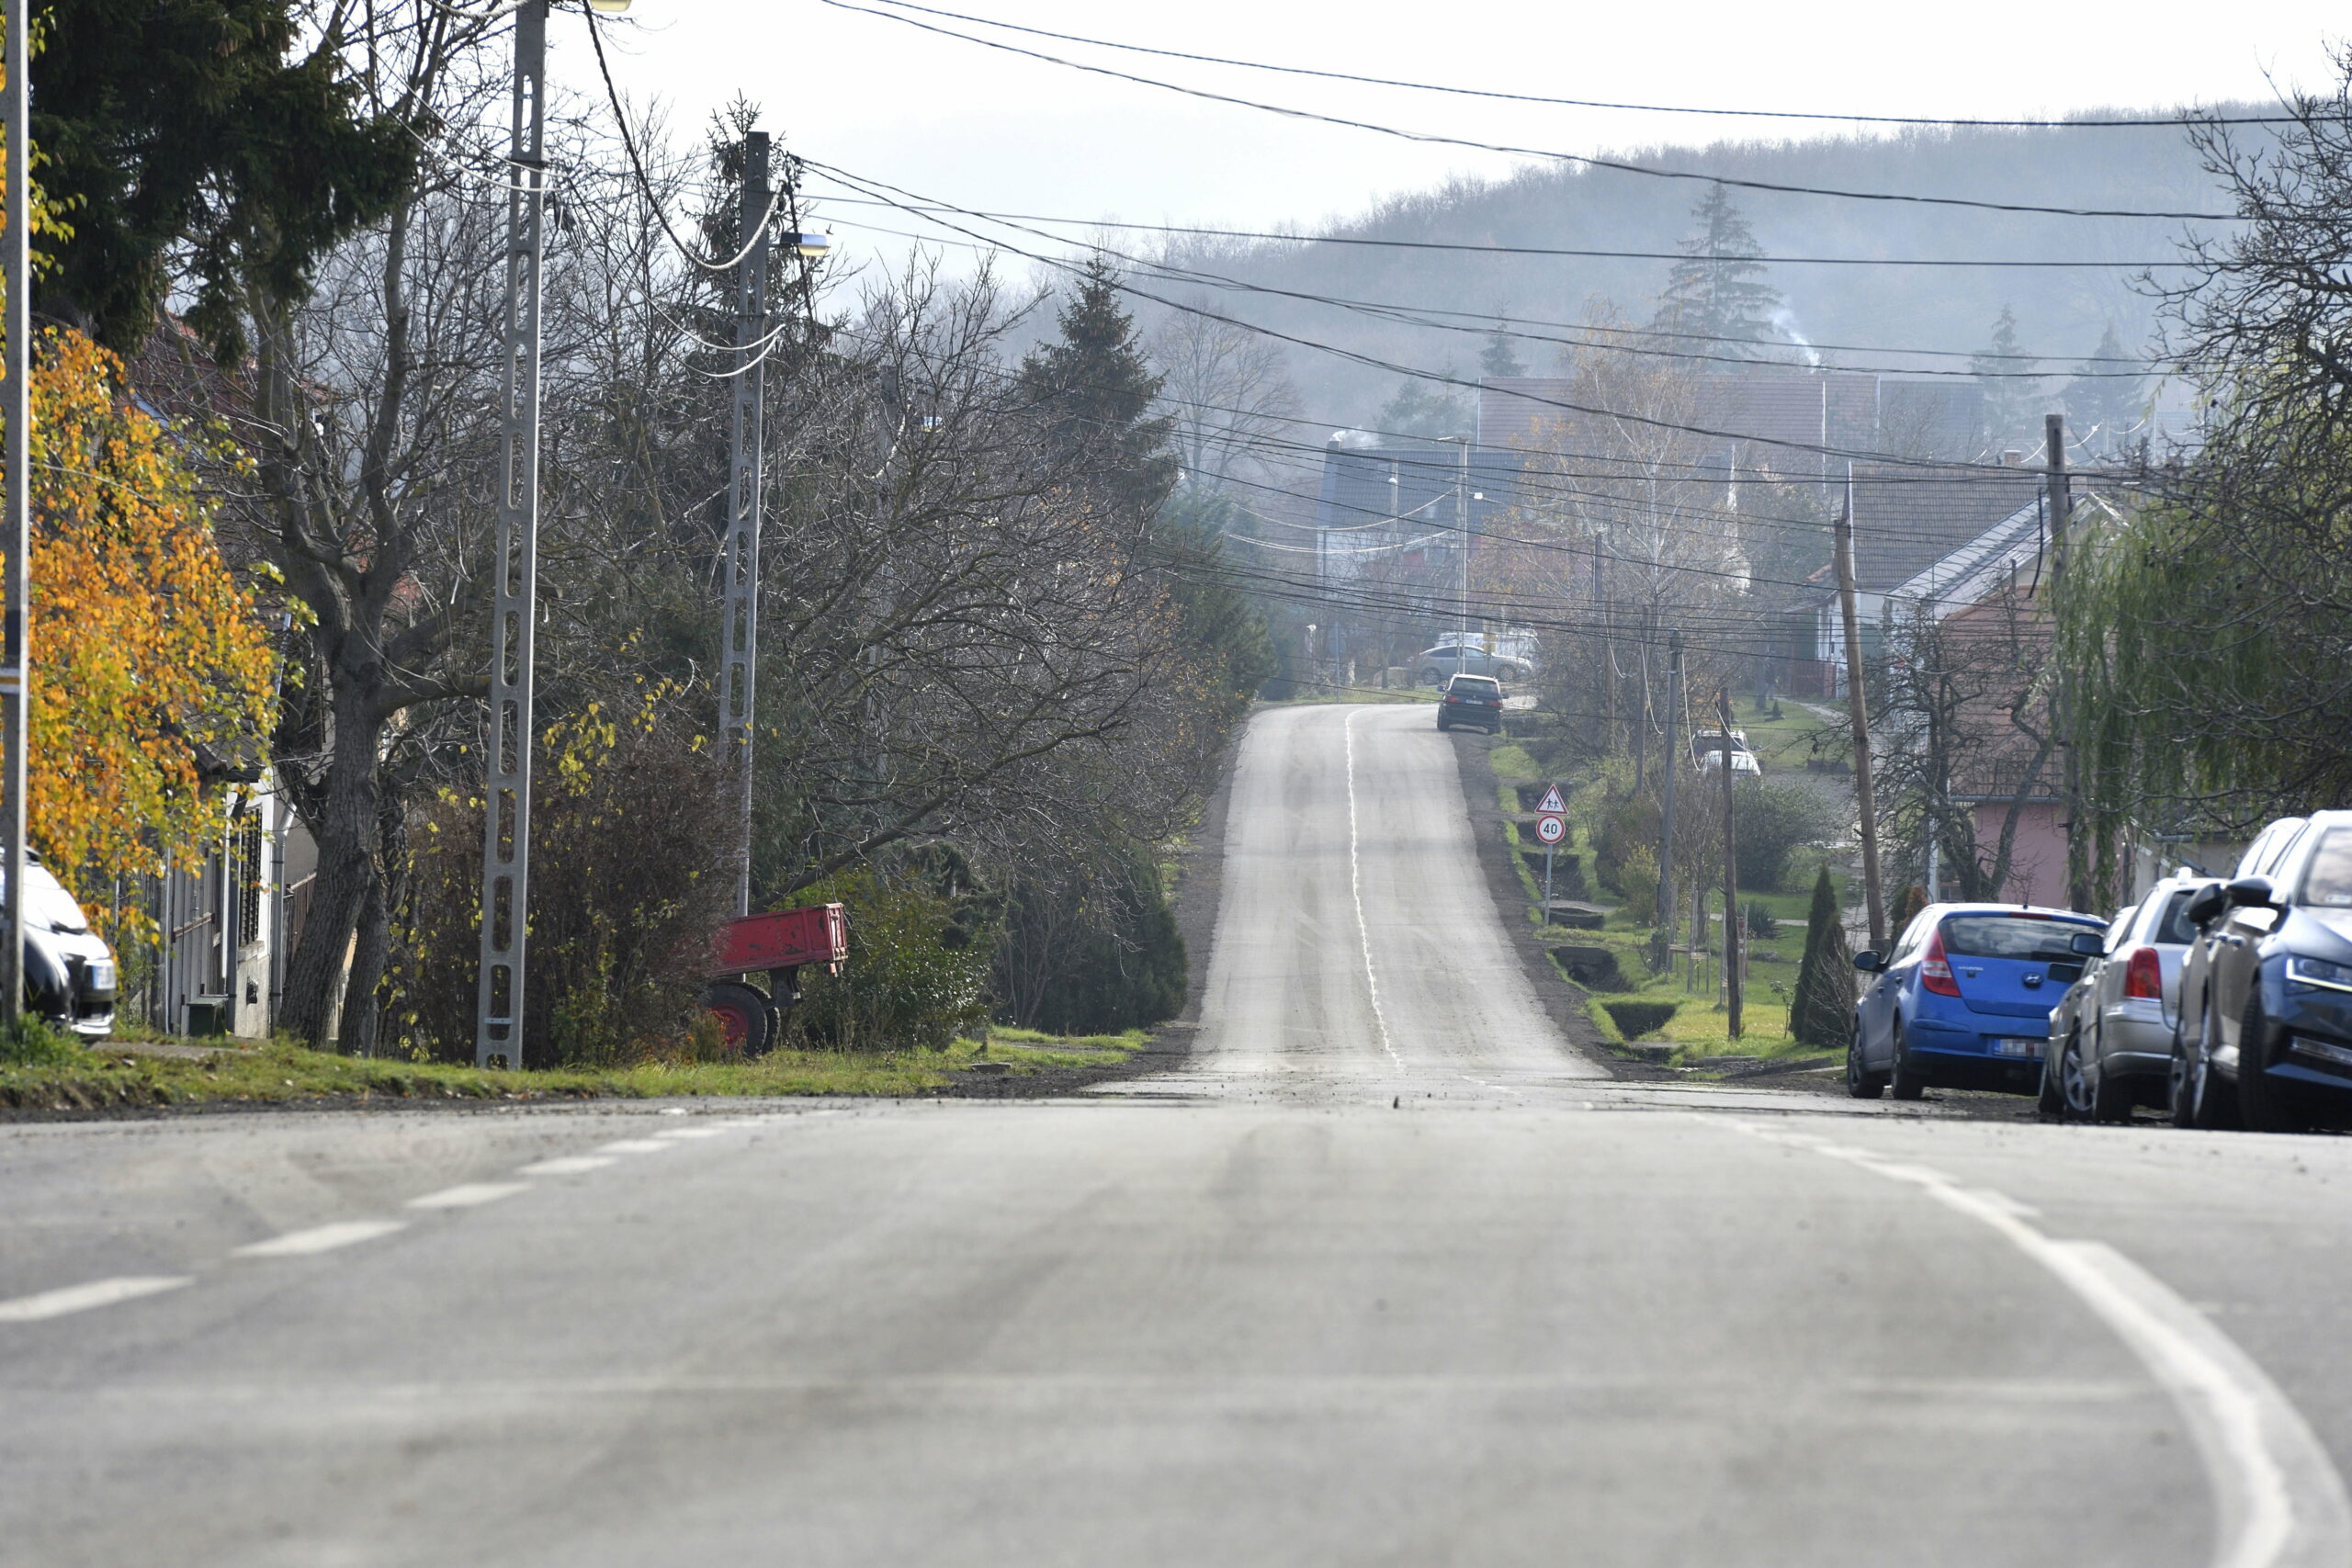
[[1964, 999]]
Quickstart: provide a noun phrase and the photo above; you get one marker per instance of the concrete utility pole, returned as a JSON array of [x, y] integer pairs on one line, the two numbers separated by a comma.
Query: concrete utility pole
[[507, 820], [739, 669], [2059, 502], [1462, 526], [1732, 942], [1858, 705], [1662, 944], [15, 530]]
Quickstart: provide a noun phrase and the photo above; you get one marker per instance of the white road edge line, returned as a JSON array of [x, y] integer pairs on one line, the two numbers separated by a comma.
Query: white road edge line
[[1355, 887], [469, 1195], [321, 1238], [81, 1298], [632, 1146], [2279, 1497], [568, 1164]]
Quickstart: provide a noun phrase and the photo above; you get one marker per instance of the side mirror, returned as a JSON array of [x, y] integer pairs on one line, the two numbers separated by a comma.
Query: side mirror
[[2203, 905], [2248, 890], [1869, 963], [2090, 944]]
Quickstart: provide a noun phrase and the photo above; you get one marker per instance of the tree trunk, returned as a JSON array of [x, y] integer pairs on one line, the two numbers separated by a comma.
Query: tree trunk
[[348, 832], [362, 1007]]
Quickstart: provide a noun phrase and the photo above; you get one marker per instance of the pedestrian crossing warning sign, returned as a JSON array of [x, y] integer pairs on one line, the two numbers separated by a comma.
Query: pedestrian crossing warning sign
[[1552, 805]]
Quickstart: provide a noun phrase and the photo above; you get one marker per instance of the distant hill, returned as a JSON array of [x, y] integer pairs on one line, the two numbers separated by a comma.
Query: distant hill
[[2060, 312]]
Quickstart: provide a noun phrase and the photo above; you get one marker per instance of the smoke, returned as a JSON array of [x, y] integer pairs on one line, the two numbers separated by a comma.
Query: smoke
[[1785, 321]]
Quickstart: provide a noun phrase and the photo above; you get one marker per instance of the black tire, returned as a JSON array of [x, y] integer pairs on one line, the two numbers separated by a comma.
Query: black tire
[[2074, 1102], [2052, 1102], [2112, 1098], [745, 1019], [2265, 1105], [1906, 1082], [2195, 1095], [1860, 1082], [1442, 727]]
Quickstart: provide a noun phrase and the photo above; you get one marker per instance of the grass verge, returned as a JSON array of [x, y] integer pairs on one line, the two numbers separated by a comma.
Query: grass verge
[[69, 1075]]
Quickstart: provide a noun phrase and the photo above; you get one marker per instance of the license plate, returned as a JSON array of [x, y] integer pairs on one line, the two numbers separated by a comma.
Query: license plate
[[2018, 1047]]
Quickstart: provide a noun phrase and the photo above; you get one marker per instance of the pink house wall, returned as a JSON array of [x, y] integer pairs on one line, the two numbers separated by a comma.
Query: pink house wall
[[2038, 861]]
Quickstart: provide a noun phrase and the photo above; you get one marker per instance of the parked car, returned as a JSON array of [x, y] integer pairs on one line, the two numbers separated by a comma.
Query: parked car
[[1963, 1000], [1470, 702], [1431, 666], [2110, 1034], [69, 970], [2265, 1032]]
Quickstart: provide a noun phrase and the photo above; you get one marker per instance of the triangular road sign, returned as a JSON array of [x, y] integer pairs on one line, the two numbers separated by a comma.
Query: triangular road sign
[[1552, 802]]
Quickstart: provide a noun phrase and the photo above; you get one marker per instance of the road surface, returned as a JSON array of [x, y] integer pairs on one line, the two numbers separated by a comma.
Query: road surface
[[1388, 1275]]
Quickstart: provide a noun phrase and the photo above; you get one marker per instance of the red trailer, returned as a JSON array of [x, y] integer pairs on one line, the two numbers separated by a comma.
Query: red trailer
[[777, 944]]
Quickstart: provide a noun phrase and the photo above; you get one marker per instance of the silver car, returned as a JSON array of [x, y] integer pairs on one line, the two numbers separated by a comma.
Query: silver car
[[2110, 1034]]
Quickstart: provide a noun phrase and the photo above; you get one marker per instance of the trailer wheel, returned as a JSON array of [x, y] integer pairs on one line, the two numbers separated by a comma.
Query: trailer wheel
[[745, 1019]]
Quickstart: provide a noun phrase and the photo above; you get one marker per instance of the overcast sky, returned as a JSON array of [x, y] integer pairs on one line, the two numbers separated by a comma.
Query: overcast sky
[[988, 129]]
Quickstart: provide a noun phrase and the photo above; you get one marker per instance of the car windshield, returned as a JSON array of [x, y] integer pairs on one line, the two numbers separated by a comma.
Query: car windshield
[[49, 906], [2173, 926], [2010, 936], [2328, 882]]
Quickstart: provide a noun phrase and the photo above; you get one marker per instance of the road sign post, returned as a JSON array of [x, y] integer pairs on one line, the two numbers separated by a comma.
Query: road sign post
[[1550, 828]]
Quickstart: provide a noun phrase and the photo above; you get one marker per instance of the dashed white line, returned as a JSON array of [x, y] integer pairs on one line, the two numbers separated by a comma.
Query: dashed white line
[[679, 1134], [468, 1195], [81, 1298], [1355, 886], [2281, 1502], [568, 1164], [321, 1238], [632, 1146]]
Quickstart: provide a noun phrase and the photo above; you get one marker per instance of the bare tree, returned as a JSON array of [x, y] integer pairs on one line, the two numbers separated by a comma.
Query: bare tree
[[1228, 391]]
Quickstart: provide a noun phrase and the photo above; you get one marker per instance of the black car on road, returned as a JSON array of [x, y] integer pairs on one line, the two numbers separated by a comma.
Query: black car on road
[[1470, 702], [2266, 1002]]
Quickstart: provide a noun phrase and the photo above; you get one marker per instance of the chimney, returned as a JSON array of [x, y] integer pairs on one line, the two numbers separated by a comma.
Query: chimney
[[2012, 458]]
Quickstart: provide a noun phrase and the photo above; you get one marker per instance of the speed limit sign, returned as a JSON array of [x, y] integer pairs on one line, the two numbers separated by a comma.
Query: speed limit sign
[[1551, 830]]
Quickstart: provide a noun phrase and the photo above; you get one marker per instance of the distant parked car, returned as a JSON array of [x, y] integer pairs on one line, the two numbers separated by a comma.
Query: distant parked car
[[1432, 665], [2266, 1002], [1964, 999], [1470, 702], [2110, 1034], [69, 970]]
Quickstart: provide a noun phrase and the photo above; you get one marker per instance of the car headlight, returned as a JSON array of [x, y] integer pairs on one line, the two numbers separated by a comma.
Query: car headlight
[[101, 972], [2318, 972]]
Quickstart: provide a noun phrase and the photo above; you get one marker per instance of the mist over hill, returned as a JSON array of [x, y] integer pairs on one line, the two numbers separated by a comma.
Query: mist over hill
[[1868, 313]]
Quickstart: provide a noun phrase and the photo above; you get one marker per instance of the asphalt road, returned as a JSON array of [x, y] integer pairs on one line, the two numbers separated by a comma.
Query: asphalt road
[[1387, 1277]]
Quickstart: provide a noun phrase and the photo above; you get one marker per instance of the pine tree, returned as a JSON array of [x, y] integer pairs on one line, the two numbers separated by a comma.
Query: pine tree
[[2010, 394], [1422, 412], [1822, 1012], [2102, 407], [1093, 390], [1717, 290], [1499, 360]]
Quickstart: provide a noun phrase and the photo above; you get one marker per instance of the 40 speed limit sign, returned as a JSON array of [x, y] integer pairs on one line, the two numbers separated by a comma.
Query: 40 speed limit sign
[[1551, 830]]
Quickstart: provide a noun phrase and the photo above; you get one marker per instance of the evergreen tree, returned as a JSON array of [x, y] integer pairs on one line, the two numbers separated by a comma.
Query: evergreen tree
[[1717, 291], [226, 132], [1094, 391], [1422, 412], [1499, 360], [2102, 406], [2011, 397], [1822, 1012], [1907, 909]]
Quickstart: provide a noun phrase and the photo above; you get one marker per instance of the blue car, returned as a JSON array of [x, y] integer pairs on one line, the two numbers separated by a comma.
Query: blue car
[[1964, 999]]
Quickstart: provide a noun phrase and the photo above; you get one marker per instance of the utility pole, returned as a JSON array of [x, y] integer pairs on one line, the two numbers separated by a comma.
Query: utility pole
[[1733, 944], [1462, 526], [2059, 501], [739, 668], [506, 818], [16, 531], [1662, 944], [1858, 705]]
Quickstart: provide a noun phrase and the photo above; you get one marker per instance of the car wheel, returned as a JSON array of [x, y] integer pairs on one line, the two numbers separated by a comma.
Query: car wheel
[[1860, 1082], [1907, 1082], [1442, 727], [2111, 1097], [2052, 1103], [746, 1023], [1430, 677], [2199, 1097], [2074, 1080], [2267, 1105]]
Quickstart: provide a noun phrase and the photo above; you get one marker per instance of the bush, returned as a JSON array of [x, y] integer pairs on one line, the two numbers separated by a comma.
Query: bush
[[1822, 1012], [1097, 955], [1637, 880], [1634, 1020], [1772, 818], [917, 971], [35, 1043], [629, 887]]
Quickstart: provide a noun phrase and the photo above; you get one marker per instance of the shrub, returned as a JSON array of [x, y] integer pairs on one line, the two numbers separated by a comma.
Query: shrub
[[627, 889], [1772, 818], [917, 972], [1822, 1011], [1096, 955], [1637, 879]]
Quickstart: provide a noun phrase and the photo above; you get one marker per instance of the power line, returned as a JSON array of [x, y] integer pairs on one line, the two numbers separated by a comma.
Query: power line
[[2143, 124], [1579, 159]]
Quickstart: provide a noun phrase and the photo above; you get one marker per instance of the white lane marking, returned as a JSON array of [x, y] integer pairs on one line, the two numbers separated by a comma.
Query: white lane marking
[[1484, 1084], [632, 1146], [468, 1195], [2281, 1502], [679, 1134], [1355, 886], [568, 1164], [321, 1238], [81, 1298]]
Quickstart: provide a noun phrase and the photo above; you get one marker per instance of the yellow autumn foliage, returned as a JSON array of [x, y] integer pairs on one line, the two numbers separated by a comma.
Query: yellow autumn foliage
[[144, 645]]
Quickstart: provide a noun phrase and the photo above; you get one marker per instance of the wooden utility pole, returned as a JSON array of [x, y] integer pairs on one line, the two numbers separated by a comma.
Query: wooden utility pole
[[2059, 501], [1858, 705], [1732, 942]]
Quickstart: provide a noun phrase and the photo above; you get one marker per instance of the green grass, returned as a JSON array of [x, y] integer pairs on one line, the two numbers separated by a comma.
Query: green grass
[[79, 1076], [1784, 745]]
